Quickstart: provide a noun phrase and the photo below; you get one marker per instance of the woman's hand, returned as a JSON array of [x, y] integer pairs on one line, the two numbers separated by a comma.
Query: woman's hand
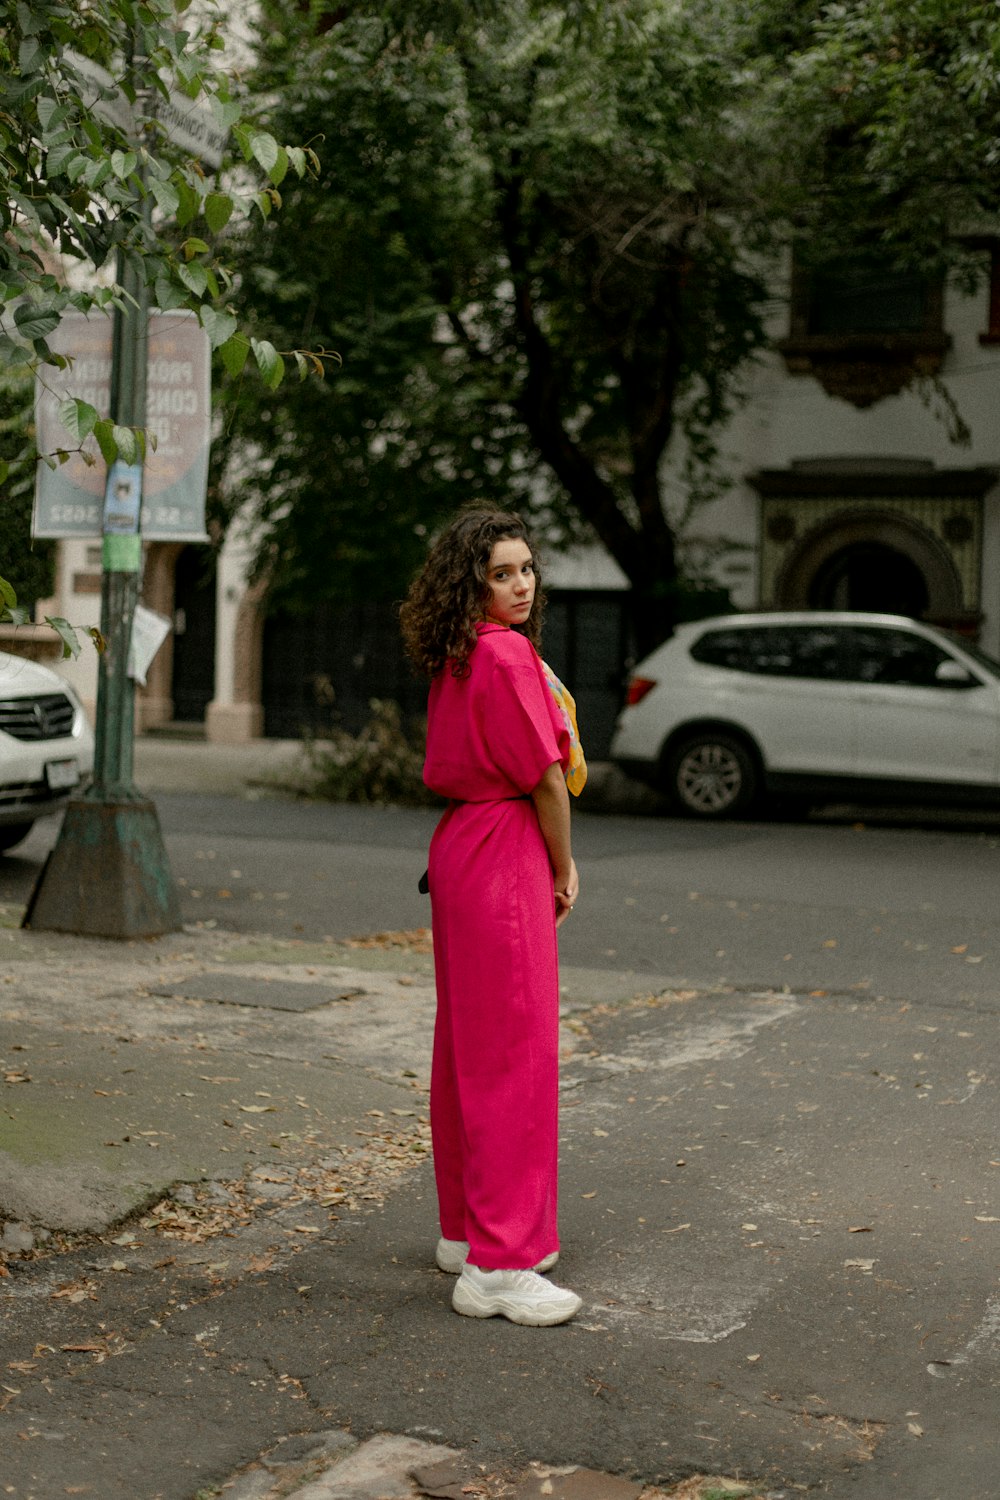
[[566, 895]]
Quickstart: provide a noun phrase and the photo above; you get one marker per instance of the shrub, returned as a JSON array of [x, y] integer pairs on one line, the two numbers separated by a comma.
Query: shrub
[[383, 763]]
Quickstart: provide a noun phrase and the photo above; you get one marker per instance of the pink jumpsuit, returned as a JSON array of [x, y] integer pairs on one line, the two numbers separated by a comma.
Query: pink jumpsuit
[[494, 1083]]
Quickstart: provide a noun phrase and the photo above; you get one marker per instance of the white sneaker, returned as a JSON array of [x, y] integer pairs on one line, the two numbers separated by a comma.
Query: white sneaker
[[451, 1256], [521, 1296]]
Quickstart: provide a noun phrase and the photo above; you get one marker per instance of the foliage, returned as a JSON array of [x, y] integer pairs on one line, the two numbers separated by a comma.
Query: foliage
[[29, 567], [892, 106], [537, 247], [12, 613], [88, 173], [546, 244], [383, 763]]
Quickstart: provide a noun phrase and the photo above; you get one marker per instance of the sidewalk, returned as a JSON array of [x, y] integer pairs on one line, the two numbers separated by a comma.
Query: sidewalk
[[208, 1095], [217, 1226]]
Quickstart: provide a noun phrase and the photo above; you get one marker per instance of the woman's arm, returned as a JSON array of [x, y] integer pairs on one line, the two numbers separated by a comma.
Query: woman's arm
[[551, 801]]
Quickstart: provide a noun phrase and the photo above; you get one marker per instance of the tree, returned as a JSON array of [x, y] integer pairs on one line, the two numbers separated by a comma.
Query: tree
[[545, 246], [89, 173], [538, 249], [892, 107]]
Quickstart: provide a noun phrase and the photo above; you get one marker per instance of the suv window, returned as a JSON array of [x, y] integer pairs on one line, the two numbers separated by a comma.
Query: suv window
[[813, 651], [896, 657]]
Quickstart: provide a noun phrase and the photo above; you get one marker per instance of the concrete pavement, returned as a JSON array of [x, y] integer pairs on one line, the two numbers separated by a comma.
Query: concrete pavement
[[217, 1230]]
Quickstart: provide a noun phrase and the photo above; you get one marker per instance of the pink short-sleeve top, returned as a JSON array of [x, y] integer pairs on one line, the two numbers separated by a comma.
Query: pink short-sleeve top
[[493, 733]]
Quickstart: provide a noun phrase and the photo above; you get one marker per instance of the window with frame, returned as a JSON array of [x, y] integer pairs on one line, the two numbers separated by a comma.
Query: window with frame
[[817, 652], [897, 658]]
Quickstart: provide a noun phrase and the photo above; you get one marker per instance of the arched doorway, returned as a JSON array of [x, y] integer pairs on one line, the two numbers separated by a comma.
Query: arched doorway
[[876, 560], [870, 576]]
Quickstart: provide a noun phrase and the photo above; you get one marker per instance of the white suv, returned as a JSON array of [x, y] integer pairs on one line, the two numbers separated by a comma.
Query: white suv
[[46, 745], [813, 705]]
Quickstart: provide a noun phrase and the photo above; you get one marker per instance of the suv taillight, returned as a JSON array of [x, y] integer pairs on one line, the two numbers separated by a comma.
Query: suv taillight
[[637, 689]]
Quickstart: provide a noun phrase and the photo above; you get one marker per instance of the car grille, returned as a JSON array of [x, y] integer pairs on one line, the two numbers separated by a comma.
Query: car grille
[[47, 717], [28, 795]]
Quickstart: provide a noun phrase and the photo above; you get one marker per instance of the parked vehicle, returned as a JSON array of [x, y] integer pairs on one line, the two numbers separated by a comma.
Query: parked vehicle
[[46, 746], [815, 706]]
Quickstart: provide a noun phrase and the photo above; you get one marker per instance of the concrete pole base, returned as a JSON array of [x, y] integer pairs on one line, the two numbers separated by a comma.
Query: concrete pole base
[[108, 875]]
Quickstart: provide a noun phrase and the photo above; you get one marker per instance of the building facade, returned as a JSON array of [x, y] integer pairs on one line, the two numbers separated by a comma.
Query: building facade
[[863, 470]]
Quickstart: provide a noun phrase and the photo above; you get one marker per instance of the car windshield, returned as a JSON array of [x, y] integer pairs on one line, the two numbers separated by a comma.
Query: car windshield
[[988, 663]]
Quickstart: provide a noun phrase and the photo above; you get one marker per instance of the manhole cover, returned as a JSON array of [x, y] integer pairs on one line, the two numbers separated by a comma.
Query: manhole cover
[[270, 994]]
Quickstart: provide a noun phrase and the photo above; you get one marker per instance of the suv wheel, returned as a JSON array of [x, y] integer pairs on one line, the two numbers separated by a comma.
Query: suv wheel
[[711, 775]]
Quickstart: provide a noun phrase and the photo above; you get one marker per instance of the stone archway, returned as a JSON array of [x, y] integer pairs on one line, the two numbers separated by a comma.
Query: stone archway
[[838, 564]]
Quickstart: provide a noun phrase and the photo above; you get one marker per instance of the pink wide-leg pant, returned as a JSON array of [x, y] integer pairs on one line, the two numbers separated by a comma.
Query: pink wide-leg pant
[[494, 1082]]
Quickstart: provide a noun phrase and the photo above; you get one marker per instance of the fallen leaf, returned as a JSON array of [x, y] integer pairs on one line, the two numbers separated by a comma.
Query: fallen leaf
[[259, 1109], [987, 1219], [752, 1359], [962, 948], [860, 1265], [915, 1428], [859, 1229], [588, 1195]]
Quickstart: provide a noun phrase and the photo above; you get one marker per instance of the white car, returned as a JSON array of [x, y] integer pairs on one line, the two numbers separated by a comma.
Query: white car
[[814, 706], [46, 745]]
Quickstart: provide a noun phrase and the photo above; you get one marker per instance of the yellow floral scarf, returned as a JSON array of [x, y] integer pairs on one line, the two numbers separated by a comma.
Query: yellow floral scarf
[[576, 775]]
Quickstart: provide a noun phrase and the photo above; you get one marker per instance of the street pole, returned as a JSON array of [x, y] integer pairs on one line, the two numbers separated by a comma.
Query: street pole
[[108, 875]]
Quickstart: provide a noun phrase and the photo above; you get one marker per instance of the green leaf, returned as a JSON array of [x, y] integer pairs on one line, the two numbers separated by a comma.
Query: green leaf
[[47, 109], [226, 112], [220, 326], [218, 211], [4, 470], [265, 149], [269, 362], [20, 616], [188, 202], [166, 195], [66, 633], [35, 322], [123, 164], [27, 52], [8, 594], [194, 277], [126, 443], [78, 417], [279, 171], [234, 353], [193, 246], [104, 432]]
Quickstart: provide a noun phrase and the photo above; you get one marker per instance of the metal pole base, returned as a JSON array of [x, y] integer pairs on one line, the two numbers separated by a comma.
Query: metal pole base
[[108, 875]]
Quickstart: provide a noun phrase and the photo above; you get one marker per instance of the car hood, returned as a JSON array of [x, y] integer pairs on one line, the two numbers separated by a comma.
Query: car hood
[[20, 677]]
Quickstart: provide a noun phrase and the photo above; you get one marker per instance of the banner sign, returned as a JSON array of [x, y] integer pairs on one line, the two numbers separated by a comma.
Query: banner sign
[[70, 499]]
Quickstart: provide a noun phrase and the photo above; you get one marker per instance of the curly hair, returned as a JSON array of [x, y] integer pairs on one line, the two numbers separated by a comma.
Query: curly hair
[[438, 617]]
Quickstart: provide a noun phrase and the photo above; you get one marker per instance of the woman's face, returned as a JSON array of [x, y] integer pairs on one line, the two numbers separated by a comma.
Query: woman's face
[[510, 578]]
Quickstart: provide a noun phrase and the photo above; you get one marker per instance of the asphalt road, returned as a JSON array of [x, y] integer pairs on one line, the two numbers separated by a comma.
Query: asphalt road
[[779, 1189], [838, 906]]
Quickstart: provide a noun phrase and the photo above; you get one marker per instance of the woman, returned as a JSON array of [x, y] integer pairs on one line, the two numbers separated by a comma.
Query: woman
[[500, 738]]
